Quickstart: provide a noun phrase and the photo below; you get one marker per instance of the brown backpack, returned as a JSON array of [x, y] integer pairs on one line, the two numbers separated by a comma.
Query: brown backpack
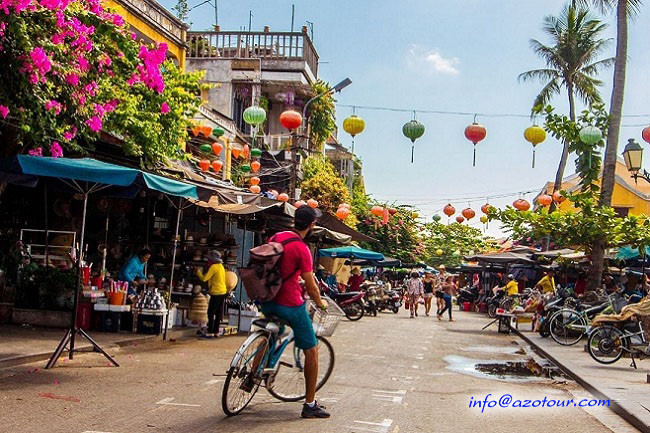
[[262, 278]]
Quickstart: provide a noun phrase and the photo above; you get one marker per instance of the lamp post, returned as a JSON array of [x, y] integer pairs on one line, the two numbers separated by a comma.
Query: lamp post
[[633, 155], [336, 89]]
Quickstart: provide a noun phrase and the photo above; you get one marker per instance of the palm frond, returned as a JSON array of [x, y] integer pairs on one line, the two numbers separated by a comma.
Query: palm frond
[[539, 74], [546, 94], [596, 67]]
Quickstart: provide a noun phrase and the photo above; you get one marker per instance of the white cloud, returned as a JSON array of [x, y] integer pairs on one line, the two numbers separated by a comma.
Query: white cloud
[[433, 60]]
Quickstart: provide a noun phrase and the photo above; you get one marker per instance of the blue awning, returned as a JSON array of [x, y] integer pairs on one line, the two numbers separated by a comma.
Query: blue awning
[[90, 170], [350, 252], [627, 253]]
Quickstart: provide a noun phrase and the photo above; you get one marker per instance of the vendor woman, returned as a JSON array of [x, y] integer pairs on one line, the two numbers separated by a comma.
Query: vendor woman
[[133, 270]]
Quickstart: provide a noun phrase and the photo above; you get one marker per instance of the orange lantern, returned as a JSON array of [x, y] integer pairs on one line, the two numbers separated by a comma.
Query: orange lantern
[[204, 164], [449, 210], [236, 150], [486, 208], [284, 197], [246, 151], [345, 205], [300, 203], [255, 189], [255, 166], [217, 148], [206, 130], [469, 213], [196, 129], [521, 204], [217, 165], [255, 180], [342, 213], [460, 219], [312, 203], [291, 119], [558, 197], [544, 200]]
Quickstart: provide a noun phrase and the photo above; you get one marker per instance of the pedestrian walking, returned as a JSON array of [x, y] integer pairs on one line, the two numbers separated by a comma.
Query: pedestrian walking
[[439, 293], [449, 289], [415, 290], [428, 283]]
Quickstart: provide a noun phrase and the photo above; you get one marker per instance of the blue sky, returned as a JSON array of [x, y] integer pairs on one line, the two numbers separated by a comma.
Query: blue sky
[[439, 55]]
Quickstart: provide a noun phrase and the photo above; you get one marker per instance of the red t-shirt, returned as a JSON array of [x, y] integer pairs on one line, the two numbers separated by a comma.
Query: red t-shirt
[[355, 283], [295, 260]]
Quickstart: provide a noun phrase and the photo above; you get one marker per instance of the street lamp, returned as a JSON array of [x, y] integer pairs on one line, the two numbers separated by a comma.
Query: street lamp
[[633, 155], [337, 88]]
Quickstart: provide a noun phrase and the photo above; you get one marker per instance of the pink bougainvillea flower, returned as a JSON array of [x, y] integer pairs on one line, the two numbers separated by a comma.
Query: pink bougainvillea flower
[[53, 105], [55, 150], [164, 108], [4, 111], [134, 36], [40, 60], [72, 79], [70, 134], [117, 20], [94, 123], [36, 152]]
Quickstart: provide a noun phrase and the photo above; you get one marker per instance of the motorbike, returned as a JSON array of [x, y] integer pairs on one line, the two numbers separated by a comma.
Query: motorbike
[[468, 294], [389, 300], [370, 297], [494, 303], [351, 303]]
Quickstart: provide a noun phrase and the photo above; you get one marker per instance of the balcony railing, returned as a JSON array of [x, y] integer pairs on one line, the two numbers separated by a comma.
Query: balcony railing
[[246, 45]]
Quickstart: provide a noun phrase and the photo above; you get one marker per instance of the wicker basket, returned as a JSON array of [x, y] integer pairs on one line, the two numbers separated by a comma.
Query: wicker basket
[[325, 321]]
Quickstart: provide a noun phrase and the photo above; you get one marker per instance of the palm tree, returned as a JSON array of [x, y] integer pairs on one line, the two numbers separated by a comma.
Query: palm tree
[[570, 64]]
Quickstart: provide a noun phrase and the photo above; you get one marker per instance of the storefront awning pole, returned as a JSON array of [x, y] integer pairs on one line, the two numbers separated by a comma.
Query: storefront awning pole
[[171, 277]]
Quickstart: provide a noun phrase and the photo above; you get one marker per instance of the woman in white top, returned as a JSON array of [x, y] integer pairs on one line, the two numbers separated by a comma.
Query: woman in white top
[[415, 289]]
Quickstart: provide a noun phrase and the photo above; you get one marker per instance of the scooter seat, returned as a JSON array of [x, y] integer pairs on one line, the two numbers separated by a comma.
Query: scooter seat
[[346, 295]]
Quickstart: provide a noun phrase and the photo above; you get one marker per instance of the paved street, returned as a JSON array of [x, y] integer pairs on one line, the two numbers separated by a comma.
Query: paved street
[[391, 376]]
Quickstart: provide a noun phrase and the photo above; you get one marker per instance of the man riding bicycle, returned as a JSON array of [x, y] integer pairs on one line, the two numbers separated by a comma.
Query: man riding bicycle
[[289, 304]]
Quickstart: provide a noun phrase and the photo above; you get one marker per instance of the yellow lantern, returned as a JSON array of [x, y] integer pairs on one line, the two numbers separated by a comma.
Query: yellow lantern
[[484, 219], [438, 252], [534, 135], [354, 125]]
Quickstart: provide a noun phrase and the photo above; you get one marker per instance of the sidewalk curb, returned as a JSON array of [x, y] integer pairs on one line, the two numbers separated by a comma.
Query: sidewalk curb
[[615, 407]]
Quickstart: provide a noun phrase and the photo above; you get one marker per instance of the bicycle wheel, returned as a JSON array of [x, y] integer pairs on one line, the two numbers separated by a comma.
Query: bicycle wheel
[[567, 327], [235, 396], [288, 383], [606, 344]]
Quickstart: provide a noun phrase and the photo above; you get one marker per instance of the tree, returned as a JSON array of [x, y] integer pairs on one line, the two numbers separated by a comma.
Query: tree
[[454, 241], [571, 64], [182, 10], [322, 115], [322, 183]]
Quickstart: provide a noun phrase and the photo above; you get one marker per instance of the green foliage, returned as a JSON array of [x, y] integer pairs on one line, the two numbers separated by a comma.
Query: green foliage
[[322, 183], [45, 287], [322, 115], [182, 10], [455, 241]]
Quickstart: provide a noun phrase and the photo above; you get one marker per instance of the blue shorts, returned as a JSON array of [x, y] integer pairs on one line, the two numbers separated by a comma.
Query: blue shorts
[[299, 320]]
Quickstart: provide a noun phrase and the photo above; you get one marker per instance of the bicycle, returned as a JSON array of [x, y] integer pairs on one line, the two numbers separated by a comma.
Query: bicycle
[[607, 343], [263, 360]]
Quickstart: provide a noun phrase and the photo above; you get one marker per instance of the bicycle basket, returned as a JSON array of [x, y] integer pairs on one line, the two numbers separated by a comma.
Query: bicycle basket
[[325, 322]]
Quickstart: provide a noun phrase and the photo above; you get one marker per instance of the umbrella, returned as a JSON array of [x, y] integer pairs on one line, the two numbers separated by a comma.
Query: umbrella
[[350, 252]]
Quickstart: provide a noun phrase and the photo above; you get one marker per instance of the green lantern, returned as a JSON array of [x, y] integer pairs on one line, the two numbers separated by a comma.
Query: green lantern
[[590, 135], [218, 132], [436, 218], [246, 168], [254, 115], [413, 130], [256, 153], [205, 148]]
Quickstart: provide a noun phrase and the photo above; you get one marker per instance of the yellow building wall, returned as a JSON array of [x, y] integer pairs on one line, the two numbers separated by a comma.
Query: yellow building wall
[[177, 51], [621, 197]]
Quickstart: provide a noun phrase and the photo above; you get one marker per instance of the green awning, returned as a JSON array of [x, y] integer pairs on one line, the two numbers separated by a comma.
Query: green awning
[[626, 253], [350, 252]]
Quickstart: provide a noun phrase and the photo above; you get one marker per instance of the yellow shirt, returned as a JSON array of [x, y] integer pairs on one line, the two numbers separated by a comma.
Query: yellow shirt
[[512, 288], [547, 284], [216, 278]]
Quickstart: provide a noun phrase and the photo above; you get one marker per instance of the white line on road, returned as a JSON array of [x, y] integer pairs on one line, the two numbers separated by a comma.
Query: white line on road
[[386, 395], [213, 381], [415, 366], [168, 401], [382, 427], [329, 400]]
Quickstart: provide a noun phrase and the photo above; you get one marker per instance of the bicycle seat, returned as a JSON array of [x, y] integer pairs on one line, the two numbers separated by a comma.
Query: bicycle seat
[[270, 323]]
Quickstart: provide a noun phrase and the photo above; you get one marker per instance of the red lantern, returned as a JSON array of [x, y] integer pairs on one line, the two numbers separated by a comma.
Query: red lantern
[[544, 200], [521, 204], [290, 119], [217, 165], [469, 213], [204, 164], [449, 210], [486, 208], [342, 213], [255, 180], [255, 189], [283, 197], [300, 203], [460, 219], [475, 133], [255, 166], [377, 211], [392, 211], [558, 197], [312, 203], [217, 148], [646, 134]]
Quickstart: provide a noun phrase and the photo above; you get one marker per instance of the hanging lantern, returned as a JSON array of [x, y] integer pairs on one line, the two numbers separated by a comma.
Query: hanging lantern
[[206, 130], [460, 219], [255, 180], [486, 208], [246, 151], [196, 129], [217, 165], [590, 135], [255, 189], [255, 166], [449, 210], [284, 197], [299, 203], [205, 148], [218, 132], [245, 168], [312, 203], [645, 134], [475, 133], [436, 218], [204, 164], [377, 211], [484, 219], [534, 135], [544, 200], [392, 211], [274, 193], [354, 125], [256, 153], [254, 115], [342, 213], [415, 215], [236, 150], [521, 204], [468, 213], [413, 130], [558, 197], [217, 148], [439, 252], [290, 119]]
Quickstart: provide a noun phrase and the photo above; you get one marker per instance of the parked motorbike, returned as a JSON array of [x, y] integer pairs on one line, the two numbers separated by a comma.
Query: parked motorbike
[[468, 294], [351, 303], [389, 300], [370, 297], [494, 303]]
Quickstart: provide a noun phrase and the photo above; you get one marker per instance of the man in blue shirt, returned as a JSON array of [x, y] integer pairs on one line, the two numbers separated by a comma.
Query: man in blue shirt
[[133, 270]]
